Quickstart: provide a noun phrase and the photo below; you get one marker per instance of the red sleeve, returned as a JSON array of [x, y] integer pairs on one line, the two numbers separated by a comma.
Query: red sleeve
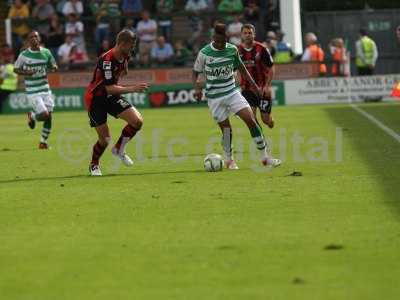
[[266, 57]]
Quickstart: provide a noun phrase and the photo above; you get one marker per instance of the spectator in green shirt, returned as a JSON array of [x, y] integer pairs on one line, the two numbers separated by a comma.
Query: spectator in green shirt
[[230, 6], [181, 55], [113, 13]]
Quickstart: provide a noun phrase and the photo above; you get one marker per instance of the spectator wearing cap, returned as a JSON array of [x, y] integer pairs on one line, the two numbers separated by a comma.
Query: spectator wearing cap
[[366, 54], [314, 53]]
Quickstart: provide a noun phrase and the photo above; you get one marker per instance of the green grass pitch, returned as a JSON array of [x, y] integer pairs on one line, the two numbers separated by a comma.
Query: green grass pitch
[[166, 229]]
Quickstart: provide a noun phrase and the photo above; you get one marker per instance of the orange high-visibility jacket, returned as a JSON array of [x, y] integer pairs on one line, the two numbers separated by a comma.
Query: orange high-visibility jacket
[[317, 54], [339, 58]]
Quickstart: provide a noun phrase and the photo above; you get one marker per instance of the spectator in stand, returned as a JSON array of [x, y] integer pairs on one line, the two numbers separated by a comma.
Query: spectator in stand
[[271, 42], [8, 79], [129, 25], [7, 52], [162, 52], [113, 14], [230, 7], [195, 8], [55, 35], [164, 10], [252, 13], [64, 51], [105, 46], [75, 28], [181, 55], [77, 58], [284, 53], [210, 5], [147, 32], [59, 6], [314, 52], [131, 7], [72, 7], [102, 31], [43, 11], [234, 31], [398, 34], [94, 6], [19, 13], [339, 57], [366, 54]]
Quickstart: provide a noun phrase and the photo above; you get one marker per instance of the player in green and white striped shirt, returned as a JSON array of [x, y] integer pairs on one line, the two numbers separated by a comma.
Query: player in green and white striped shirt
[[34, 63], [219, 61]]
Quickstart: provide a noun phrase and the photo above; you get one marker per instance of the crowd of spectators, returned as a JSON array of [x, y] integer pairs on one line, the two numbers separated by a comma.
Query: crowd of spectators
[[78, 31]]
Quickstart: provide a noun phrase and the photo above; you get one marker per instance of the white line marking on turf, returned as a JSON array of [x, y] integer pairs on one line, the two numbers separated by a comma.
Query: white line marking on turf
[[378, 123]]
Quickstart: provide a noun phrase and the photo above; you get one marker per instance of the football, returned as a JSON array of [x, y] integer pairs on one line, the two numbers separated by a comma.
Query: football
[[213, 162]]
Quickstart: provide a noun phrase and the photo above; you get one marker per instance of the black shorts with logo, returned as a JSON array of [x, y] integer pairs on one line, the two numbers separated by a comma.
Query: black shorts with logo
[[265, 105], [101, 106]]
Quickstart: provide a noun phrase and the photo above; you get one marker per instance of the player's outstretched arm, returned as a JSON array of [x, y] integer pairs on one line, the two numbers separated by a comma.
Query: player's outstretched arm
[[115, 89]]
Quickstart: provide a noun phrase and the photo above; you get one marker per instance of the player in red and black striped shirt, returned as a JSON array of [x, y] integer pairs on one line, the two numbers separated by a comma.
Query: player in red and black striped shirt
[[103, 96], [258, 61]]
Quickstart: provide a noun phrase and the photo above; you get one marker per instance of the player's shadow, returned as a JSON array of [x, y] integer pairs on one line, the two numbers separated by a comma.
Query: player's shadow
[[376, 148], [22, 180]]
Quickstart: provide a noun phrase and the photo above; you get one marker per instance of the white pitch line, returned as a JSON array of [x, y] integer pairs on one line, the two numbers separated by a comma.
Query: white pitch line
[[378, 123]]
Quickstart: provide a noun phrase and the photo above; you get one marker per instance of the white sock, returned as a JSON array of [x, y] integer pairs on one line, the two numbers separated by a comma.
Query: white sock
[[125, 141], [227, 143]]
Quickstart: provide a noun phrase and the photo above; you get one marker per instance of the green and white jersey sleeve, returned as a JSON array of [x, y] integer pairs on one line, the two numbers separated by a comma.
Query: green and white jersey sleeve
[[39, 61], [219, 68]]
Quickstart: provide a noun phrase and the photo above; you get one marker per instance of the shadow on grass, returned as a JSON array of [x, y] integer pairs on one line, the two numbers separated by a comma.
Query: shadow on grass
[[375, 147], [22, 180]]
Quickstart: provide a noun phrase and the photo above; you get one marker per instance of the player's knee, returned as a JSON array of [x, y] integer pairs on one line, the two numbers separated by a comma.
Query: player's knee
[[104, 140], [137, 123]]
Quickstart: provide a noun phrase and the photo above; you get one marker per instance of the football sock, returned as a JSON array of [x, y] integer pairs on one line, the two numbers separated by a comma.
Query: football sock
[[127, 134], [259, 140], [227, 142], [46, 130], [98, 150]]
